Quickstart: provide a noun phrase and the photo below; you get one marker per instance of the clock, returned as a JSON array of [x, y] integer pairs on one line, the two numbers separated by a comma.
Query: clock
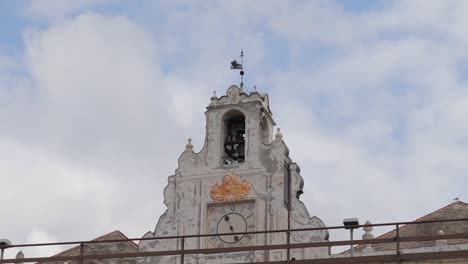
[[228, 218]]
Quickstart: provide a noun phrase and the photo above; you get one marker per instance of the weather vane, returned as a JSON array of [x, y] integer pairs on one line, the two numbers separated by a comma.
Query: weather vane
[[239, 66]]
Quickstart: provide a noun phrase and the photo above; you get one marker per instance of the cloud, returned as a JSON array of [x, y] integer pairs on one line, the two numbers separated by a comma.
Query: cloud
[[93, 119]]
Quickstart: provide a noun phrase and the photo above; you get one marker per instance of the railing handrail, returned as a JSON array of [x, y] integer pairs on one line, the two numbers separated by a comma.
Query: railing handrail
[[225, 250], [232, 233], [183, 251]]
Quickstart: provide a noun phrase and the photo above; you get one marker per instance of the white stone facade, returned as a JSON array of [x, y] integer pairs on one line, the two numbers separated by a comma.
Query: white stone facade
[[254, 186]]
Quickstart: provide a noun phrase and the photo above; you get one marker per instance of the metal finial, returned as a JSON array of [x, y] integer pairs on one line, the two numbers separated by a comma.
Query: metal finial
[[242, 68], [239, 66], [242, 56]]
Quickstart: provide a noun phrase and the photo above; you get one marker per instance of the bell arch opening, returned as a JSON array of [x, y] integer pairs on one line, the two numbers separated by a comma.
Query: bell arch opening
[[234, 137]]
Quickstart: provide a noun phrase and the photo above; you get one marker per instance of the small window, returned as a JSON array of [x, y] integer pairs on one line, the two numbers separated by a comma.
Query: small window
[[234, 140]]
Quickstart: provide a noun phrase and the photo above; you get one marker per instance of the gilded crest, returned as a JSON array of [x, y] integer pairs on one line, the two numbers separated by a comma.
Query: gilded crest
[[231, 189]]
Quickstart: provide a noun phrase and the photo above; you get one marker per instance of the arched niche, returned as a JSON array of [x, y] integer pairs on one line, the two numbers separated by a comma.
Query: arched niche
[[265, 131]]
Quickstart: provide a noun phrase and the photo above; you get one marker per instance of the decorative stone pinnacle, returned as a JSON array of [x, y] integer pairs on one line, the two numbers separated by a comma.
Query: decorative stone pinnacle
[[367, 229], [20, 255], [367, 235], [189, 145], [254, 90], [279, 135], [214, 95]]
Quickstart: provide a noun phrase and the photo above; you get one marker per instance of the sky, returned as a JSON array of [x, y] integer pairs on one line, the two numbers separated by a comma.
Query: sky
[[98, 98]]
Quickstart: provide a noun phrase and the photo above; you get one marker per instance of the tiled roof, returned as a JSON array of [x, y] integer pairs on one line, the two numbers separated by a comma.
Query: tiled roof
[[105, 247], [455, 210]]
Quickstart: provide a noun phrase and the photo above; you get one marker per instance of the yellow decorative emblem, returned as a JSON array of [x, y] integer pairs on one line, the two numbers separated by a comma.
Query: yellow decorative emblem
[[231, 189]]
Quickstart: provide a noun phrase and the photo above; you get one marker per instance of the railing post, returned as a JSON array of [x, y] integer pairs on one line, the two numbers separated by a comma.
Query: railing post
[[398, 242], [81, 252], [289, 207], [182, 247], [288, 246]]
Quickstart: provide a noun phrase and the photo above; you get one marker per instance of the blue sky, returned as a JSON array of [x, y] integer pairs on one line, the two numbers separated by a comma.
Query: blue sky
[[11, 26], [371, 97]]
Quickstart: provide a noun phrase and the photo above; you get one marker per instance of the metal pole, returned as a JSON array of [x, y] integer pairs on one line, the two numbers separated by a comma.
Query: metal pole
[[81, 253], [182, 247], [288, 234], [3, 251], [352, 247], [288, 238], [398, 243]]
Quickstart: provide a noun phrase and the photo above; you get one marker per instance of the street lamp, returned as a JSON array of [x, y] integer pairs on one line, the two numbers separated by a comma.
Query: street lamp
[[4, 243], [351, 224]]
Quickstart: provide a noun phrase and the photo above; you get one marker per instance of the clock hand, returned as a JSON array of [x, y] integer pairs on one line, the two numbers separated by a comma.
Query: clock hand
[[236, 238], [226, 218]]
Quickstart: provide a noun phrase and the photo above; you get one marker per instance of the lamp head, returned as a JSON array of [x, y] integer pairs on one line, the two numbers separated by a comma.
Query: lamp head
[[350, 223], [4, 243]]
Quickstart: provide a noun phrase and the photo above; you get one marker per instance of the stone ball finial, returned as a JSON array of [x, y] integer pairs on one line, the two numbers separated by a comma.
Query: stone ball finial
[[441, 242], [368, 230], [20, 255], [189, 145], [279, 135]]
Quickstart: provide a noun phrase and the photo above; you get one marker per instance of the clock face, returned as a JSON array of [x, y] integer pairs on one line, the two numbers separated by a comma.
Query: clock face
[[231, 218]]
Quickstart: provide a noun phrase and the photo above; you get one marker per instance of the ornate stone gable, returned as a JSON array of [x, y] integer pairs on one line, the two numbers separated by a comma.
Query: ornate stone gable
[[234, 184]]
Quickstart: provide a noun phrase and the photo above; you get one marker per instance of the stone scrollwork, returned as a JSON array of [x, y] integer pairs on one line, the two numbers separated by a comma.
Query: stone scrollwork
[[186, 201], [300, 216], [165, 227], [301, 219], [186, 160], [277, 209]]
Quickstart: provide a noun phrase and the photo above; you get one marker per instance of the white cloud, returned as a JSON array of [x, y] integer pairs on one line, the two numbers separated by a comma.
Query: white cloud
[[90, 128]]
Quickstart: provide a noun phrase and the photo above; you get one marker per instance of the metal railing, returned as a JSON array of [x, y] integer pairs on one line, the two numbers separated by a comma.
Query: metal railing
[[396, 257]]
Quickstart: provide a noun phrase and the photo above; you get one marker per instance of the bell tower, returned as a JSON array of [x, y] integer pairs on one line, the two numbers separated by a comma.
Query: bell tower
[[235, 183], [237, 124]]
